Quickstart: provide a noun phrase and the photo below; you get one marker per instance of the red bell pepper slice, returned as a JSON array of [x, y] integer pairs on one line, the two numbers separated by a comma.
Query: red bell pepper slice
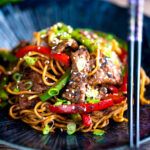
[[81, 108], [86, 119], [61, 57], [123, 87], [112, 89], [116, 98], [123, 56]]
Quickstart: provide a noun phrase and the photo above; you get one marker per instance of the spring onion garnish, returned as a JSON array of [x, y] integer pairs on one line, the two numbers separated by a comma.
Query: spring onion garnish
[[3, 94], [8, 56], [123, 71], [55, 89], [92, 100], [91, 45], [43, 32], [30, 84], [65, 35], [46, 130], [17, 77], [98, 132], [16, 89], [71, 128], [30, 60], [58, 103], [62, 102], [76, 117]]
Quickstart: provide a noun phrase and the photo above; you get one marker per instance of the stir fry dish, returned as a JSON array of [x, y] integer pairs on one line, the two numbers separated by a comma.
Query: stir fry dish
[[67, 79]]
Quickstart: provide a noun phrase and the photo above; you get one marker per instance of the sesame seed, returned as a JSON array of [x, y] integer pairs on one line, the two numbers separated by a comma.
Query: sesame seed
[[67, 90]]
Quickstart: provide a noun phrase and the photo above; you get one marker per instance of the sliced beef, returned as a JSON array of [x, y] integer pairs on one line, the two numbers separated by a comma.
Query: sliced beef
[[65, 44], [75, 91], [25, 103], [38, 85], [107, 73]]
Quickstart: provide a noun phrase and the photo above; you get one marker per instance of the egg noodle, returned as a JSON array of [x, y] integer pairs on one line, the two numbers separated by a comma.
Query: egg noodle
[[40, 116]]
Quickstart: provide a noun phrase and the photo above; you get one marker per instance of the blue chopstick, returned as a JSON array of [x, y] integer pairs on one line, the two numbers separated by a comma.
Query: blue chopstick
[[131, 41]]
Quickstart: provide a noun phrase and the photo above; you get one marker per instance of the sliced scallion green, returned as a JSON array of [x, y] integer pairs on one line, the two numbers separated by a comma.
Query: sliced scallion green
[[71, 128], [16, 89], [54, 90], [46, 130], [30, 84], [30, 60], [98, 132], [17, 76]]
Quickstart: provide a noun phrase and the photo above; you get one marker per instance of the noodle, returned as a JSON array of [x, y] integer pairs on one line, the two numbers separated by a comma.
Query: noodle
[[50, 71]]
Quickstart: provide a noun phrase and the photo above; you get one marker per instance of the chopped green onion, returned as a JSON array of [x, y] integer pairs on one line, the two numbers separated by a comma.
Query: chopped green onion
[[54, 90], [71, 128], [3, 94], [123, 71], [58, 103], [93, 100], [30, 60], [8, 56], [46, 130], [61, 100], [67, 103], [16, 89], [76, 117], [92, 46], [30, 84], [43, 32], [65, 36], [17, 77], [98, 132]]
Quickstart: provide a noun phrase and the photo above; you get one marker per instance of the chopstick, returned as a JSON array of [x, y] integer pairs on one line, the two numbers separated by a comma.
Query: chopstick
[[137, 66], [131, 45]]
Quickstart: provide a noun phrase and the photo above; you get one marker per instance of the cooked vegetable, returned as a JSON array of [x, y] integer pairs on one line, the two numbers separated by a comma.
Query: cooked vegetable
[[76, 117], [3, 94], [71, 128], [98, 132], [54, 90], [81, 108], [8, 56], [112, 88], [17, 76], [86, 119], [16, 89], [30, 60], [46, 130], [92, 46], [29, 83], [62, 57]]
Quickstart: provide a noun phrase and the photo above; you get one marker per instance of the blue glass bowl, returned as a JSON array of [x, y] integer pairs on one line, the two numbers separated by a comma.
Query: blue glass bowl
[[18, 21]]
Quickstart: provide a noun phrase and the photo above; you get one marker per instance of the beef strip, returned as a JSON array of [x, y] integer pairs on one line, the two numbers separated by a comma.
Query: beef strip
[[65, 44], [75, 91], [107, 73], [38, 85]]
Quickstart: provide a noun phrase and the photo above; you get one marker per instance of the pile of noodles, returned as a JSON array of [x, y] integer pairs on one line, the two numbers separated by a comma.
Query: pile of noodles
[[40, 116]]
